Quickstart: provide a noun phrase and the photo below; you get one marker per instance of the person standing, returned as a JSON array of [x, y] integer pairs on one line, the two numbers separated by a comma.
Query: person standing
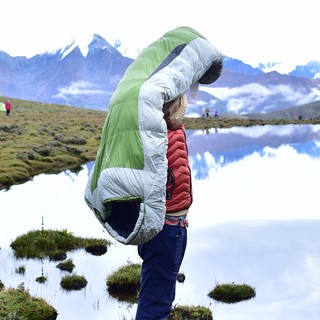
[[162, 255], [8, 107], [141, 169]]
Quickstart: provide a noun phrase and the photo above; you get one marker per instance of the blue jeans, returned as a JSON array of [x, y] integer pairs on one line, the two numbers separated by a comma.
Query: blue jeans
[[162, 257]]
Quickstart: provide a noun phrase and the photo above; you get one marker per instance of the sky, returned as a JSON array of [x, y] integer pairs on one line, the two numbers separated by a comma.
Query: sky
[[253, 31]]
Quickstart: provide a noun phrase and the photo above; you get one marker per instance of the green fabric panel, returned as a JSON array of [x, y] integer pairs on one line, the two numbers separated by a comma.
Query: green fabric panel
[[125, 151], [149, 60], [121, 141], [100, 158], [121, 134]]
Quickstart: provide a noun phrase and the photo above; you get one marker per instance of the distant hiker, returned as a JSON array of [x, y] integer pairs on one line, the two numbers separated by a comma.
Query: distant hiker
[[300, 117], [203, 112], [8, 108], [207, 112], [216, 114]]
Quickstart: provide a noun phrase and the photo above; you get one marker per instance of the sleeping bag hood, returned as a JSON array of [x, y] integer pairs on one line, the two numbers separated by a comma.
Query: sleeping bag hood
[[126, 189]]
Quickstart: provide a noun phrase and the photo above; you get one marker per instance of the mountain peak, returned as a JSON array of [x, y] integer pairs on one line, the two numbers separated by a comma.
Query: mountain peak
[[68, 49], [99, 43]]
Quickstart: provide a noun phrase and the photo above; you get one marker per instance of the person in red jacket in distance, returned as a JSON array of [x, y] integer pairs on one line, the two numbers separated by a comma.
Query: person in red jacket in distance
[[8, 107], [162, 255]]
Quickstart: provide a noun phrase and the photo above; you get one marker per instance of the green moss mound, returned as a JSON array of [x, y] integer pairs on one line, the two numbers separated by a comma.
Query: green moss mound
[[41, 279], [50, 243], [231, 293], [67, 265], [190, 313], [19, 304], [124, 283], [73, 282]]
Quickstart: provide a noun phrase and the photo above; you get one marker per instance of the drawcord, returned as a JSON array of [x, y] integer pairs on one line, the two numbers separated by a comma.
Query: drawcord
[[170, 184]]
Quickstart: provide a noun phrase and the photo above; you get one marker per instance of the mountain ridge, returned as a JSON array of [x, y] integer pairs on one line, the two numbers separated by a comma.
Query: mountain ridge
[[68, 76]]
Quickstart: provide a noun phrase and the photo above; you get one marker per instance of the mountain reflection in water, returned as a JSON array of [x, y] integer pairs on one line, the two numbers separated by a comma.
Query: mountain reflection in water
[[255, 220]]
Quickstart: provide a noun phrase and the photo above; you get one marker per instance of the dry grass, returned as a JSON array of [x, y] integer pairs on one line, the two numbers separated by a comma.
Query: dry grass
[[44, 138], [47, 138]]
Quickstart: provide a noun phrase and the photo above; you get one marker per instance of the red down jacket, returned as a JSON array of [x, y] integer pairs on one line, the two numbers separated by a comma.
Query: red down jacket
[[179, 188]]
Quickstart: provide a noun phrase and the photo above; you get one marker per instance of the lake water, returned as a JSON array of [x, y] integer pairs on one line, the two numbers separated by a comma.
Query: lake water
[[255, 220]]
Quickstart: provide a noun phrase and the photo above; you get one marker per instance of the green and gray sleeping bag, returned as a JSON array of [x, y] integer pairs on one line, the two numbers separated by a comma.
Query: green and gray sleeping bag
[[127, 186]]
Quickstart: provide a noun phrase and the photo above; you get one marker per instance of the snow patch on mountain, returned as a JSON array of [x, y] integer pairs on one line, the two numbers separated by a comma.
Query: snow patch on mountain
[[280, 67], [68, 49], [96, 42]]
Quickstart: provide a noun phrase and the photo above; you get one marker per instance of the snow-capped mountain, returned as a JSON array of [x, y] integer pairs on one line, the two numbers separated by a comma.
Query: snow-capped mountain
[[280, 67], [87, 76], [310, 70]]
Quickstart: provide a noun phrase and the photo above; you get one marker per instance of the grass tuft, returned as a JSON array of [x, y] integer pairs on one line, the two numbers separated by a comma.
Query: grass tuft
[[18, 304], [124, 283], [231, 293], [190, 313], [67, 265], [49, 243], [73, 282]]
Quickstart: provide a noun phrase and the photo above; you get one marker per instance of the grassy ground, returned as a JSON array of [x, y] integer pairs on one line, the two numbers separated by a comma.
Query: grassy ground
[[19, 304], [45, 138], [41, 138]]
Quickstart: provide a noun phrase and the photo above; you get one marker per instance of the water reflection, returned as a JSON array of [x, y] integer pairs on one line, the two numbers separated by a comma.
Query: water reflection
[[255, 220], [230, 145], [249, 174], [280, 259]]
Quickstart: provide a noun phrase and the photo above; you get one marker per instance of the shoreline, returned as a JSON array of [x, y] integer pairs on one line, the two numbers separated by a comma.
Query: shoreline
[[49, 139]]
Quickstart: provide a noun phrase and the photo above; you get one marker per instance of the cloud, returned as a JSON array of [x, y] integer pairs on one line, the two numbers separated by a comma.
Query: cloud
[[246, 98], [317, 76], [78, 88]]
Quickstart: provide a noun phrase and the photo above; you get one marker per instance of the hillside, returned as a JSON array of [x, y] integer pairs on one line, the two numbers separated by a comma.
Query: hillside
[[45, 138], [307, 111], [49, 138]]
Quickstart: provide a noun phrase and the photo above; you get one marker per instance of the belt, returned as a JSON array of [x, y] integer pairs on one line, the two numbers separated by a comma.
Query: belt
[[176, 221]]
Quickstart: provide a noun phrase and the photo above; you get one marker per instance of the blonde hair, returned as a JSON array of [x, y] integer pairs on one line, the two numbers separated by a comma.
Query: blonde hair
[[174, 112]]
